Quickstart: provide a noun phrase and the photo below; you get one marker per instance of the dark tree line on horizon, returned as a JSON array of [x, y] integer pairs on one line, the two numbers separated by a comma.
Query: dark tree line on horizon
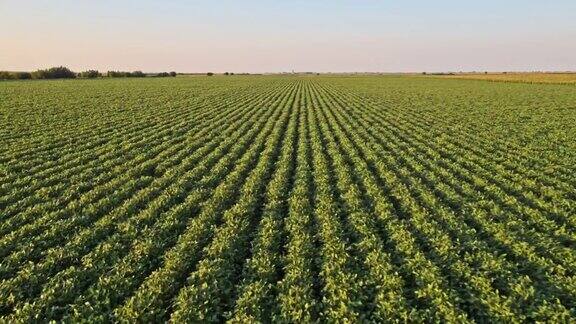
[[62, 72]]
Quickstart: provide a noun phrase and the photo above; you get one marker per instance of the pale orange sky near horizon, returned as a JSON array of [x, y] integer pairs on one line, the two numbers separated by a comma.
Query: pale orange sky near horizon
[[275, 36]]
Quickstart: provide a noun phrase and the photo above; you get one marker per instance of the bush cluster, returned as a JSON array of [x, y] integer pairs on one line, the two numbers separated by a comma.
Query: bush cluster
[[166, 74], [59, 72], [62, 72], [90, 74], [122, 74], [5, 75]]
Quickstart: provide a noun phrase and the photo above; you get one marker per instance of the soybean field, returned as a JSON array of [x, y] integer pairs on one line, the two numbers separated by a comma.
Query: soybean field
[[287, 199], [541, 77]]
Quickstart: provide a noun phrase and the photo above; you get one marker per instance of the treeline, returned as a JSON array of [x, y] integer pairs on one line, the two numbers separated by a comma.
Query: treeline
[[138, 74], [62, 72], [4, 75]]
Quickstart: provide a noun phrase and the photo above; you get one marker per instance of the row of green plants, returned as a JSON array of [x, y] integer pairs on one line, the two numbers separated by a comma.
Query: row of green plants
[[207, 294], [88, 143], [255, 300], [163, 217], [101, 229], [551, 310], [137, 261], [43, 217], [75, 164]]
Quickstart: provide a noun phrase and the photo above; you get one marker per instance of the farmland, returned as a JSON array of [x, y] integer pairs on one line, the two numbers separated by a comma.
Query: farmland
[[287, 198], [540, 77]]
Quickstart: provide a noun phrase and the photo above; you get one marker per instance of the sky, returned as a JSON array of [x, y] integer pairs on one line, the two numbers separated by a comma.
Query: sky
[[281, 36]]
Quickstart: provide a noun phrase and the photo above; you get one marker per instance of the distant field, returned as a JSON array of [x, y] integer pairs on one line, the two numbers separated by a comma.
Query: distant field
[[294, 199], [560, 78]]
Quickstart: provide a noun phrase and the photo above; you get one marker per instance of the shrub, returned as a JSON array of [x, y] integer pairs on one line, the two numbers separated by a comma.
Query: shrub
[[117, 74], [123, 74], [4, 75], [22, 75], [90, 74], [163, 74], [59, 72], [136, 74]]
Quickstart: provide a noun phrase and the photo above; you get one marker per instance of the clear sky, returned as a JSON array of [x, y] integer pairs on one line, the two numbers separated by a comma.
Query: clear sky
[[276, 36]]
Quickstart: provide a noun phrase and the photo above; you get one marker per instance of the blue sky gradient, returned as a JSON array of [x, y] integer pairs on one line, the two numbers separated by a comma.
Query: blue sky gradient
[[276, 36]]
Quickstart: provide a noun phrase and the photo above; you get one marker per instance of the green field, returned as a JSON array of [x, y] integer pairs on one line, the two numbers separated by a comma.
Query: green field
[[536, 77], [287, 198]]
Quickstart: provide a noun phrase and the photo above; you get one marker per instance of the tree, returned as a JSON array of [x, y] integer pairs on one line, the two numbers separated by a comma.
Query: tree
[[123, 74], [59, 72], [22, 75], [137, 74], [226, 73], [90, 74], [209, 74], [5, 75], [173, 74]]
